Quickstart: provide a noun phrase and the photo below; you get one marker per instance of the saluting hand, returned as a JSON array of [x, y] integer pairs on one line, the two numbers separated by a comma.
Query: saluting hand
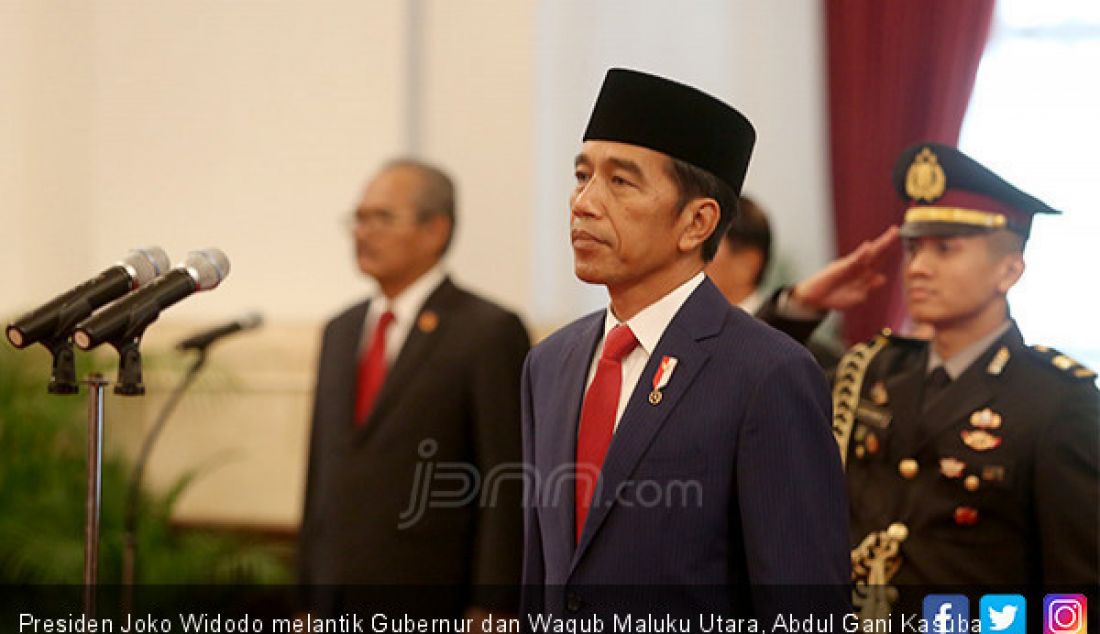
[[846, 282]]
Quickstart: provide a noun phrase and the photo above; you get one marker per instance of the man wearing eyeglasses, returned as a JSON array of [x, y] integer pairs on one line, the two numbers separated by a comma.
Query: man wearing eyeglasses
[[420, 377]]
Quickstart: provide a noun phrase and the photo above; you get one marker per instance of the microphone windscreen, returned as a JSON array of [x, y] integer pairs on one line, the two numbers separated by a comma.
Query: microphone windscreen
[[147, 264], [208, 266]]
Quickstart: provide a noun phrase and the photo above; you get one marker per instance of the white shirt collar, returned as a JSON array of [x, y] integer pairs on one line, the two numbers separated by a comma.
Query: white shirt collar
[[963, 359], [752, 302], [650, 323], [408, 302]]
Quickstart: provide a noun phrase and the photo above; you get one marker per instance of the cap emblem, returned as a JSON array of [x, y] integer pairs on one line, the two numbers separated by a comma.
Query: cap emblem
[[925, 179]]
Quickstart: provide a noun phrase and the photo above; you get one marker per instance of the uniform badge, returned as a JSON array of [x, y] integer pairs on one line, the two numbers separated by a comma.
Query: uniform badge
[[952, 467], [999, 361], [872, 443], [986, 419], [966, 516], [925, 179], [661, 378], [878, 394], [428, 321], [980, 440], [873, 415], [993, 473]]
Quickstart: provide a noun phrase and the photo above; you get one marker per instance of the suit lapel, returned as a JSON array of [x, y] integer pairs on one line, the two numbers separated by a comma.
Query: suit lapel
[[418, 344], [557, 449], [700, 317], [342, 357]]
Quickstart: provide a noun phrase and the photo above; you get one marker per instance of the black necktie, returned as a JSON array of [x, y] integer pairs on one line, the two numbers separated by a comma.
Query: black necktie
[[934, 385]]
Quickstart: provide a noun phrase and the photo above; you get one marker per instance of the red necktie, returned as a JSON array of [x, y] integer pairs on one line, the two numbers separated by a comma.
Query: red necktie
[[601, 403], [372, 369]]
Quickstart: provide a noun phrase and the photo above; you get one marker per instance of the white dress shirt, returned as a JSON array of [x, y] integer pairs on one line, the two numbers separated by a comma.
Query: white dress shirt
[[648, 326], [405, 307]]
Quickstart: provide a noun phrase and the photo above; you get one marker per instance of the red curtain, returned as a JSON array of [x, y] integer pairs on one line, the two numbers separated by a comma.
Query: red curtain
[[899, 72]]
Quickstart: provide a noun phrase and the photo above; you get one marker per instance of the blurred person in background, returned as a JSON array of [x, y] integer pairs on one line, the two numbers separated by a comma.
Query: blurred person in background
[[420, 373]]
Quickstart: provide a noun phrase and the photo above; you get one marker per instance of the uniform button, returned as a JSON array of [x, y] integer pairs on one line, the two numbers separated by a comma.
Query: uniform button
[[908, 468], [572, 602]]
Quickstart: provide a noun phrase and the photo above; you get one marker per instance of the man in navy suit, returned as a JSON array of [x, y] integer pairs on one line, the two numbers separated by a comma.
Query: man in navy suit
[[672, 441]]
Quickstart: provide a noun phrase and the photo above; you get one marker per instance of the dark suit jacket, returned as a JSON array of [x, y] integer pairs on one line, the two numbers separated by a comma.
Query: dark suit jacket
[[449, 406], [1035, 508], [738, 455]]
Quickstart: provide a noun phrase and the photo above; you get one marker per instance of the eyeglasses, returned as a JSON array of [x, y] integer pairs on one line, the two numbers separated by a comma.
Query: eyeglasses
[[380, 219]]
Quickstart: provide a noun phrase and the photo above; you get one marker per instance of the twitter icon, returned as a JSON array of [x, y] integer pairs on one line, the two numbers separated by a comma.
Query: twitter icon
[[1003, 614]]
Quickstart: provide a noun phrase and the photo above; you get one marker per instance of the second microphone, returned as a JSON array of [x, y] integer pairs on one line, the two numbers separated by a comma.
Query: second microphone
[[129, 316]]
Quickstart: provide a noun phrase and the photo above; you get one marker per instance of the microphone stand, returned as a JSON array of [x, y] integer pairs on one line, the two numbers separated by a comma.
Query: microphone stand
[[95, 383], [131, 517]]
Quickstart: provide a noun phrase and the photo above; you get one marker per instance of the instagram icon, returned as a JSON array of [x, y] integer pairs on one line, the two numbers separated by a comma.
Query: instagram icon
[[1065, 614]]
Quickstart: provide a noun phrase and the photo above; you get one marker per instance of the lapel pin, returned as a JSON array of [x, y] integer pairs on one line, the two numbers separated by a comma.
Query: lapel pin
[[952, 467], [428, 321], [997, 365], [661, 378], [980, 440], [985, 419], [878, 394]]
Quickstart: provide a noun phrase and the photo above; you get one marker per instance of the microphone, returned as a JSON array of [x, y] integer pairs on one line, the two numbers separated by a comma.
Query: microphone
[[57, 317], [203, 340], [129, 316]]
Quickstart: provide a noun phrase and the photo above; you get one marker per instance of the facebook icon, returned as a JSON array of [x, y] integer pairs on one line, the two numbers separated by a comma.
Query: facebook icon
[[947, 613]]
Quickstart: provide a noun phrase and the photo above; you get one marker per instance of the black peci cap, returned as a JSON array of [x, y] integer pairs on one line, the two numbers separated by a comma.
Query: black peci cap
[[677, 120]]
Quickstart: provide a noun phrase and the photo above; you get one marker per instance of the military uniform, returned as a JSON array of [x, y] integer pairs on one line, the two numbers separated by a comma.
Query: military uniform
[[996, 480], [984, 468]]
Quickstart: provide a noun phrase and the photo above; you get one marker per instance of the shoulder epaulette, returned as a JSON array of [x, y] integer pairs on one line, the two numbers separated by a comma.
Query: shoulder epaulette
[[895, 338], [1068, 366]]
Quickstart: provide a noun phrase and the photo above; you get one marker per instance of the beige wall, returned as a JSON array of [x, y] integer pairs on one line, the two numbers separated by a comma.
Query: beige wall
[[252, 126]]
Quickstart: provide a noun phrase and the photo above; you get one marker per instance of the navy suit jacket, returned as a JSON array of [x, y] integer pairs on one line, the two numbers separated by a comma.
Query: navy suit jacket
[[732, 479]]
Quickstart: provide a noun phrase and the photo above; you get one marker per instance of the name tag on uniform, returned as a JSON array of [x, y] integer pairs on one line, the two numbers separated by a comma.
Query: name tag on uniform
[[874, 415]]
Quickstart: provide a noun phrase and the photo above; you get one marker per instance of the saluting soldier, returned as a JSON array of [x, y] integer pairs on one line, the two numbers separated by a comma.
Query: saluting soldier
[[970, 457]]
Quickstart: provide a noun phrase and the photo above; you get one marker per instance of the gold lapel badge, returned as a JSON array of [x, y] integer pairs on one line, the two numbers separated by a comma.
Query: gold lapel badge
[[878, 394], [986, 419], [428, 321], [999, 361], [952, 467], [980, 440]]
